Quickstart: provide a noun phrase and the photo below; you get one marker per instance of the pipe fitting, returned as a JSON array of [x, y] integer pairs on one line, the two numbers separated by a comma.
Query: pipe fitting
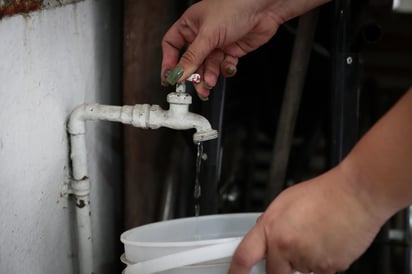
[[76, 124], [80, 187], [179, 98], [140, 115]]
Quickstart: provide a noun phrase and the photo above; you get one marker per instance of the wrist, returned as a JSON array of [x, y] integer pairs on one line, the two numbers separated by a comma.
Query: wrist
[[361, 185]]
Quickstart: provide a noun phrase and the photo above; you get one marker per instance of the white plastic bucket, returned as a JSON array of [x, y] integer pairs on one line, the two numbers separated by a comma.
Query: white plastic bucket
[[195, 245]]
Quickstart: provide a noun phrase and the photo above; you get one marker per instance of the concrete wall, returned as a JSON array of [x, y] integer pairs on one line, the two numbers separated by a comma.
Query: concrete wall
[[51, 61]]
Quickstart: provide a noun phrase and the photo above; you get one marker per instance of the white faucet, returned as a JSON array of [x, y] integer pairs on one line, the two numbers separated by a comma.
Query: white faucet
[[177, 116], [147, 116], [142, 116]]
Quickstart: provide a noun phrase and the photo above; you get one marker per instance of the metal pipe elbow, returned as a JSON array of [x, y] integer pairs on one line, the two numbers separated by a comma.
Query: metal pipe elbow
[[76, 124]]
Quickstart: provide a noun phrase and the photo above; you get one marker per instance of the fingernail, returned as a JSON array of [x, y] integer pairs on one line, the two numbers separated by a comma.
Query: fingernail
[[175, 75], [206, 85], [167, 73], [204, 99], [230, 70]]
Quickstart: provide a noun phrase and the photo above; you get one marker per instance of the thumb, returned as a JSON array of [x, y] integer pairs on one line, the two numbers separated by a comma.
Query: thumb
[[250, 251]]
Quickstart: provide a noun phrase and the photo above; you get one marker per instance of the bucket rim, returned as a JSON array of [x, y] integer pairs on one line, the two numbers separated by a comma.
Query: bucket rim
[[124, 240]]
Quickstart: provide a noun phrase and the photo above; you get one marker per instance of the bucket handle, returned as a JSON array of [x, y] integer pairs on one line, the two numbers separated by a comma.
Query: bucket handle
[[184, 258]]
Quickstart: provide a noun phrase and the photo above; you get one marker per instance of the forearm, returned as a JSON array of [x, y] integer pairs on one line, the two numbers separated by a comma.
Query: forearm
[[380, 165]]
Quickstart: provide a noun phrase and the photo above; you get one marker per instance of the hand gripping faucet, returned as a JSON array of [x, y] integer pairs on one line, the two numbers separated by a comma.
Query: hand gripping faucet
[[142, 116]]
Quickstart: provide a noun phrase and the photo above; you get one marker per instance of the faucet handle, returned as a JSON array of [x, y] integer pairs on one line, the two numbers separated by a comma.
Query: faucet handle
[[194, 78]]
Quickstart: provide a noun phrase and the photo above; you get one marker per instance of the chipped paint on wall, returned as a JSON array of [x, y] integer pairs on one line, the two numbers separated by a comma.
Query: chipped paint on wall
[[13, 7], [10, 8]]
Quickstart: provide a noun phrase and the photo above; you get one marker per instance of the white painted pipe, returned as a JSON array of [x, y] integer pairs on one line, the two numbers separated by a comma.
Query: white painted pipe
[[84, 235], [142, 116]]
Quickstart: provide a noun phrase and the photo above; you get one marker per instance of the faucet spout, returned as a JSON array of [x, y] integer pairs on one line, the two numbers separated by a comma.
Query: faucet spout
[[179, 117]]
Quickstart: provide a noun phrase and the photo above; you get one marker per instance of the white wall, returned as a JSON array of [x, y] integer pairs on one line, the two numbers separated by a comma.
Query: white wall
[[51, 61]]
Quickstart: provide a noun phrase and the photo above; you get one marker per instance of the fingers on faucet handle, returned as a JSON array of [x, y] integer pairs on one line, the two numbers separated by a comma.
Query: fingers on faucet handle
[[194, 78]]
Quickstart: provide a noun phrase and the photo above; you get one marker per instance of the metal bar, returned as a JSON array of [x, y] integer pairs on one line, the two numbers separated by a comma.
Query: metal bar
[[291, 101], [345, 89]]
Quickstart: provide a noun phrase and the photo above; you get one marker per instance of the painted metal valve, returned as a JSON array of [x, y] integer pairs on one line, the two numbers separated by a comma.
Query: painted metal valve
[[194, 78]]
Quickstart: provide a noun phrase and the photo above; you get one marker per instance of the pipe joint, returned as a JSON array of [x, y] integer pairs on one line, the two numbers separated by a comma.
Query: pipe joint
[[80, 187], [140, 115]]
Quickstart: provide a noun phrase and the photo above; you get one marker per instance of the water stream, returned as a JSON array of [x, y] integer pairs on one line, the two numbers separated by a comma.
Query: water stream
[[197, 192]]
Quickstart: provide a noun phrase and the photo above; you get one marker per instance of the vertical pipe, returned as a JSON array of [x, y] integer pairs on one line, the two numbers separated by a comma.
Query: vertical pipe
[[84, 235], [345, 89], [77, 156], [296, 77], [81, 190]]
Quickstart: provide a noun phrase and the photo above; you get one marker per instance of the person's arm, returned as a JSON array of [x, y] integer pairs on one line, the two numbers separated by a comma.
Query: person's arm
[[324, 224], [382, 160], [218, 32]]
